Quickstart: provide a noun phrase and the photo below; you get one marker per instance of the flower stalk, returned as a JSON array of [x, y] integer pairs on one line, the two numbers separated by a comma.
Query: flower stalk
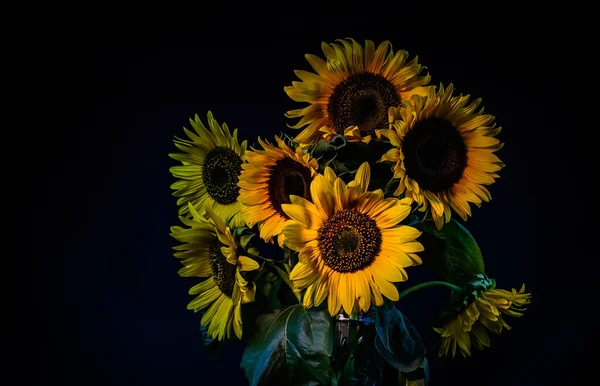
[[428, 284]]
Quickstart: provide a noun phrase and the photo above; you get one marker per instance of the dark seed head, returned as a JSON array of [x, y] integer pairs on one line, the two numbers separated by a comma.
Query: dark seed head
[[288, 177], [220, 174], [362, 100], [349, 241], [435, 154], [223, 272]]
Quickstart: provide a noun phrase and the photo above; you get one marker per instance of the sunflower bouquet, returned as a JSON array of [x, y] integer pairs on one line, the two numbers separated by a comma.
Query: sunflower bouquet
[[305, 243]]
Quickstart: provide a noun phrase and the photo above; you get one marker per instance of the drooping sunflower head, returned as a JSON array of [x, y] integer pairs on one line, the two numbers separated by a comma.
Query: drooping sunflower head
[[483, 310], [267, 181], [209, 250], [352, 247], [212, 161], [352, 90], [443, 152]]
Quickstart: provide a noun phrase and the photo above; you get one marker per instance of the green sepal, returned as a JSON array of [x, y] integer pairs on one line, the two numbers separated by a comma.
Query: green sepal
[[242, 236], [460, 300], [326, 151], [269, 284]]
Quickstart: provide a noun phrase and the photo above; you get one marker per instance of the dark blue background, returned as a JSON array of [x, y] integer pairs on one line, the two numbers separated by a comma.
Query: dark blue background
[[124, 86]]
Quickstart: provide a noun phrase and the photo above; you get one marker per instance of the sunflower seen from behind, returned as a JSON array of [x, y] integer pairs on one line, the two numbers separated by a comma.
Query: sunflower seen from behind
[[268, 179], [211, 161], [484, 311], [352, 90], [351, 247], [208, 250], [443, 152]]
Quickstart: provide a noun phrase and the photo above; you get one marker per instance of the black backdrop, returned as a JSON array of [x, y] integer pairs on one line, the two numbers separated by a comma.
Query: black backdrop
[[125, 85]]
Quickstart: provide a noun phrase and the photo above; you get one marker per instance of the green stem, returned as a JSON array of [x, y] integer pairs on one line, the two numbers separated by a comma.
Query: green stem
[[285, 276], [428, 284]]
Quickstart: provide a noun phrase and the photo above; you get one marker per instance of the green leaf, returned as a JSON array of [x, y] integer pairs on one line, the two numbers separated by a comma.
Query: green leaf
[[292, 345], [397, 340], [452, 252]]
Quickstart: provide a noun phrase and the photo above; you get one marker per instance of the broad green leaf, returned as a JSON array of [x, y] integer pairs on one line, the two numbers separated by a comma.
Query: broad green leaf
[[451, 251], [397, 339], [292, 346]]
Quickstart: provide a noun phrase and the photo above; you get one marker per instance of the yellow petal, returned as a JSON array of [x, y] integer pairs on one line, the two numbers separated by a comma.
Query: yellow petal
[[247, 264], [321, 292], [320, 190], [400, 234], [345, 292], [363, 290], [362, 177], [387, 289], [237, 321], [307, 300], [392, 155], [329, 174], [393, 215], [386, 269], [340, 192], [413, 246], [304, 215], [333, 301], [297, 235], [303, 272]]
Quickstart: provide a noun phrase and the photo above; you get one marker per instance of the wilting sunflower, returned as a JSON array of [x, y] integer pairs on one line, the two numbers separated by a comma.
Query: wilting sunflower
[[470, 326], [209, 250], [352, 90], [443, 152], [212, 162], [267, 181], [351, 246]]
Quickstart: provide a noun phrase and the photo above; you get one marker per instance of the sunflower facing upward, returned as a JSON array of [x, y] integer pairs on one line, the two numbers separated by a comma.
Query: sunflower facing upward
[[352, 90], [267, 181], [443, 152], [211, 164], [351, 248], [209, 250]]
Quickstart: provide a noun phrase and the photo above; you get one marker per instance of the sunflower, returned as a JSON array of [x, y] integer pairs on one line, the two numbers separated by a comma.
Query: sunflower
[[484, 313], [209, 250], [351, 248], [267, 181], [443, 152], [211, 164], [352, 90]]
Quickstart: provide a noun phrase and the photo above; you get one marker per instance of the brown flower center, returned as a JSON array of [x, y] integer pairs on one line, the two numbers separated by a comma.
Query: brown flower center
[[349, 241], [223, 272], [362, 100], [220, 172], [288, 177], [435, 154]]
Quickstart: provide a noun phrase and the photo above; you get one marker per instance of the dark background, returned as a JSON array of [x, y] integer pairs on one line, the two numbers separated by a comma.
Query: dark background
[[113, 310]]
